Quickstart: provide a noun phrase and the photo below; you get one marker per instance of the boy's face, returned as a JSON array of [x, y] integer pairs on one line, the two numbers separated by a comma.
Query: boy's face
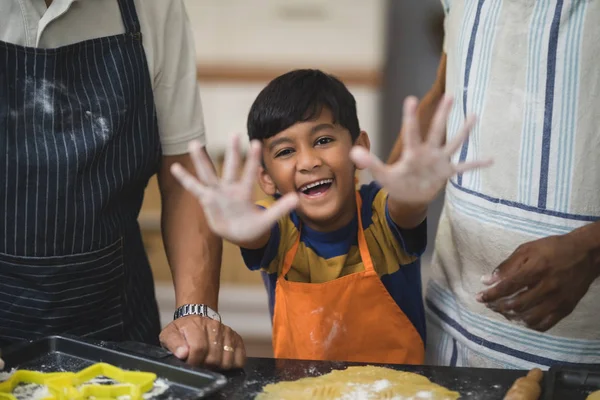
[[313, 159]]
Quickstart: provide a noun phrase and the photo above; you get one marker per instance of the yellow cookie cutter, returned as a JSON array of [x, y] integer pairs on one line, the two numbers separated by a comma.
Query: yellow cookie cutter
[[130, 383], [72, 386], [23, 376]]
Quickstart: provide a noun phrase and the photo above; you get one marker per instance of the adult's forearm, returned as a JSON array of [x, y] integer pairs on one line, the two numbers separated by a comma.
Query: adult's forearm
[[194, 254], [425, 110], [193, 251], [588, 237]]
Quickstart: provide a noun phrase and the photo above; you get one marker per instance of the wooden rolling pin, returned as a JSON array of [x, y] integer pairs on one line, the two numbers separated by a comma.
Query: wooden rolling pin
[[527, 387]]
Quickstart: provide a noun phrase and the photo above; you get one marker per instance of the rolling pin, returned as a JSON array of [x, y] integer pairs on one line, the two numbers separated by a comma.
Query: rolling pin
[[527, 387]]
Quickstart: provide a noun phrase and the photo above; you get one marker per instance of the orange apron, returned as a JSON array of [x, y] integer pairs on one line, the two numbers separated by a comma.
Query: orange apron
[[352, 318]]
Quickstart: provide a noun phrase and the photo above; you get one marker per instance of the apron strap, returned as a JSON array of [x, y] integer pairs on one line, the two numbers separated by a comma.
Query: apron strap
[[129, 16], [362, 244], [362, 241]]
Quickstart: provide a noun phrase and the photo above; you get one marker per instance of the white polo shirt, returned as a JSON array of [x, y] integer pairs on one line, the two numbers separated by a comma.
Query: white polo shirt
[[167, 39]]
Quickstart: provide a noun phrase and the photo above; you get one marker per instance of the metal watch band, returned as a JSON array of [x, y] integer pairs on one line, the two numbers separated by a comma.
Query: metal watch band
[[196, 309]]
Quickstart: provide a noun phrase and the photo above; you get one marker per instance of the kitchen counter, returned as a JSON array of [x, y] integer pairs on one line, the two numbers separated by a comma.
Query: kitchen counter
[[66, 353], [480, 384]]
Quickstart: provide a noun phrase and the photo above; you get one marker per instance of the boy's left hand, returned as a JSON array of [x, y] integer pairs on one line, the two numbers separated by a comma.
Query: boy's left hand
[[425, 165]]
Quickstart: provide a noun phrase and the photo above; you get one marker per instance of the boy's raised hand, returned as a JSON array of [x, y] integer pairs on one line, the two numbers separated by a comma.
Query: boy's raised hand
[[227, 202], [425, 165]]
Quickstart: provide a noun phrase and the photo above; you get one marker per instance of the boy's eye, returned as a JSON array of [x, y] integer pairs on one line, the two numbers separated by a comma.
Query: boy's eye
[[323, 140], [283, 152]]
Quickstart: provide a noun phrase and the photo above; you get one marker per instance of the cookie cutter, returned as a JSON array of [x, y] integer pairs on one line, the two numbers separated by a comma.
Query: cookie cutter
[[74, 386], [23, 376]]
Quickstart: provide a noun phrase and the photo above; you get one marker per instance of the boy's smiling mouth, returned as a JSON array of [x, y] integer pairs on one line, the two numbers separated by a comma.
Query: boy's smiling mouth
[[316, 188]]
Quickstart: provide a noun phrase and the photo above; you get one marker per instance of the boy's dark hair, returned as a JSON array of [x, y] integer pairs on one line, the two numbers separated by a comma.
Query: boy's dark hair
[[300, 96]]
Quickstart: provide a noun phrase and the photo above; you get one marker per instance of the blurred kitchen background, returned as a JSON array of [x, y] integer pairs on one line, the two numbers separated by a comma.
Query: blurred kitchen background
[[383, 51]]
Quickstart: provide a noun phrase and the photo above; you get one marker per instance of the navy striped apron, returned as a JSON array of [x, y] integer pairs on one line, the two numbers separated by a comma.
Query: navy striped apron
[[78, 143]]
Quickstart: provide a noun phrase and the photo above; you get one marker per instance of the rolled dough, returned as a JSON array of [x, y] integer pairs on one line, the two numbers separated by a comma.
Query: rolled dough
[[594, 396], [356, 383]]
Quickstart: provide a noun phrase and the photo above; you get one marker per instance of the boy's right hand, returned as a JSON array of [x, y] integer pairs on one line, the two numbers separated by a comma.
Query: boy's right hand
[[1, 364], [227, 202]]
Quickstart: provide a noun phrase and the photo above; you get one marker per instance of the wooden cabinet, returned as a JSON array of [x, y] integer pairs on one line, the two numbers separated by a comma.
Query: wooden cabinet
[[347, 34]]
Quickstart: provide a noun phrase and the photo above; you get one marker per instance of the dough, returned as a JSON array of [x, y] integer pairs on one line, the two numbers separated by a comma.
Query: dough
[[594, 396], [357, 383]]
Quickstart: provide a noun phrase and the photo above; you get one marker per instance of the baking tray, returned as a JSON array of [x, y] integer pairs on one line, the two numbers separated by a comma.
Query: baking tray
[[70, 354], [572, 383]]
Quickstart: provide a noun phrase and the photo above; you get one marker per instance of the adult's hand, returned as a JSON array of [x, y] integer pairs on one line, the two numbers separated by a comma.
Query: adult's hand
[[203, 341], [542, 281]]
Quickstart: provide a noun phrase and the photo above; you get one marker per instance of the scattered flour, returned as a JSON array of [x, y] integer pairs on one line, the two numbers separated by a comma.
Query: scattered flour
[[38, 392], [5, 375], [31, 392], [362, 391], [371, 391]]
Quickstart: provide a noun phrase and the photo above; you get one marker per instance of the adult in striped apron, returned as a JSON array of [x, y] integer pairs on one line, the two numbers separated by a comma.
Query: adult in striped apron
[[78, 144], [528, 69]]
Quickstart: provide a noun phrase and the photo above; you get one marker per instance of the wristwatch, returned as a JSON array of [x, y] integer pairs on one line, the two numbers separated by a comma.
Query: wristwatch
[[196, 309]]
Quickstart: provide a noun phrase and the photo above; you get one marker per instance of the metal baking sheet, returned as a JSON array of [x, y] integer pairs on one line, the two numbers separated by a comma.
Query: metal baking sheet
[[69, 354]]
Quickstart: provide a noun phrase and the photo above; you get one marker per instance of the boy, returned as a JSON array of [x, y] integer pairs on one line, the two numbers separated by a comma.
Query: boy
[[341, 266]]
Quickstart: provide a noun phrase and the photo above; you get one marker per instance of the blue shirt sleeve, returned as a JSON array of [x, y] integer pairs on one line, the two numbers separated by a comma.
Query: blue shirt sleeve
[[256, 259], [412, 241]]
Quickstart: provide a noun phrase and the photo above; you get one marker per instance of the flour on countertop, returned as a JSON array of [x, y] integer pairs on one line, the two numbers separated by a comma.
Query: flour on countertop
[[38, 392]]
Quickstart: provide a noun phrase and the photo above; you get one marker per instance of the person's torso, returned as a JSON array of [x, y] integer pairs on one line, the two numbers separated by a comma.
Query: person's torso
[[79, 141], [327, 256], [31, 23], [528, 70]]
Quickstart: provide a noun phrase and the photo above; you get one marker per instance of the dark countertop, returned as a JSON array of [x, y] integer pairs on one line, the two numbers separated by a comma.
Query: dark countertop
[[471, 383], [57, 353]]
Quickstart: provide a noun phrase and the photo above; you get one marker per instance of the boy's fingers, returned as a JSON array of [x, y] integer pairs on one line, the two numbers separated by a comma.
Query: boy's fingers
[[364, 159], [188, 181], [437, 132], [460, 137], [467, 166], [202, 164], [232, 160], [280, 208], [410, 122], [252, 164]]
